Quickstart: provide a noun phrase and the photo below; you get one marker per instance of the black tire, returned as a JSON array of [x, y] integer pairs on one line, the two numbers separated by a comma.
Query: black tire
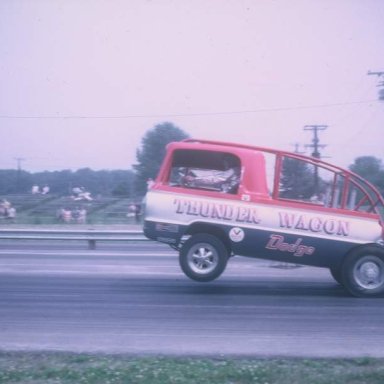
[[362, 272], [336, 274], [203, 257]]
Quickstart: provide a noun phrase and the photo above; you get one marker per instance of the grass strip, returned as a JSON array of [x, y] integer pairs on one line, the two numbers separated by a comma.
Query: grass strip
[[57, 368]]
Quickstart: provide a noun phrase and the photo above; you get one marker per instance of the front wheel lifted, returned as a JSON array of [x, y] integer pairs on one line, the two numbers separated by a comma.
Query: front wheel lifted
[[363, 272], [203, 257]]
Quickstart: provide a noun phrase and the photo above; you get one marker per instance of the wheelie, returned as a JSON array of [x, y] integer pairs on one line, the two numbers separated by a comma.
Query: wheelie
[[212, 200]]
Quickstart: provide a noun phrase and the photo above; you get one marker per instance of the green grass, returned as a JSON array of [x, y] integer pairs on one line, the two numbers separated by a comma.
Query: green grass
[[57, 368]]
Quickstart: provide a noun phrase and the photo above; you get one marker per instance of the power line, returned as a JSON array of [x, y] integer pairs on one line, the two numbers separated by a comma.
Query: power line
[[276, 109]]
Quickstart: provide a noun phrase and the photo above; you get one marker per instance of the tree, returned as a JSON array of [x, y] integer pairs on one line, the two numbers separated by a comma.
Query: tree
[[152, 152], [297, 179], [371, 168], [104, 182], [14, 181]]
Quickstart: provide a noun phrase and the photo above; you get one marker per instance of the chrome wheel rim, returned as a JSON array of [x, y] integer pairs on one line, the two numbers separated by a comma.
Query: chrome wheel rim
[[369, 272], [202, 258]]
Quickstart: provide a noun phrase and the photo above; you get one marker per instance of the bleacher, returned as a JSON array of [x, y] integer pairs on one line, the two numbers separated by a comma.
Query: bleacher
[[26, 201], [44, 209], [119, 212]]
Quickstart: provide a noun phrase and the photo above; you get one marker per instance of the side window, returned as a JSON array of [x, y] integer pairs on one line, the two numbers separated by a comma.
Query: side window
[[329, 187], [303, 181], [351, 195], [206, 170]]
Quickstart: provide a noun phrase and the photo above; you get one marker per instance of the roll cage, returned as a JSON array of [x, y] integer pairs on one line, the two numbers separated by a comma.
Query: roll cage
[[345, 189]]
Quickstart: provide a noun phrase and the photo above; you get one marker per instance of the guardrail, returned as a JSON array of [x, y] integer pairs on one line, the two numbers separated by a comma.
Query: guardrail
[[89, 235]]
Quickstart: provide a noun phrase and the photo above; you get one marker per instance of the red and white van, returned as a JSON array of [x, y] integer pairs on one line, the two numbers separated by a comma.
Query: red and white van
[[212, 200]]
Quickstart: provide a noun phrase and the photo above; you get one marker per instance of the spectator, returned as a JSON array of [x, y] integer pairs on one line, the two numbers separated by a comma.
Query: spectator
[[60, 215], [66, 215], [3, 210], [45, 190], [35, 190], [76, 213], [79, 193], [76, 191], [11, 214], [137, 212], [82, 217], [79, 215], [134, 210], [131, 210], [5, 206], [86, 196]]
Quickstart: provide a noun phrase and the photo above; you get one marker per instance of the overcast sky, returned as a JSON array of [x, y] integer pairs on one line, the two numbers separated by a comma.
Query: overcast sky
[[81, 81]]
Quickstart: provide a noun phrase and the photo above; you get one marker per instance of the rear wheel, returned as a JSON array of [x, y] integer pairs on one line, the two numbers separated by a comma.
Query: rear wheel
[[363, 272], [336, 274], [203, 257]]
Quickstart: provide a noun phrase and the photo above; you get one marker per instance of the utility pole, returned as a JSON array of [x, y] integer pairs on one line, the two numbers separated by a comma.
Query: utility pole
[[18, 177], [315, 141], [19, 160], [380, 75], [297, 150], [315, 145]]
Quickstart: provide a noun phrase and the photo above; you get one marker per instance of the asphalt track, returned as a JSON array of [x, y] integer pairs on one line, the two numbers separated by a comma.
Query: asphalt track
[[133, 299]]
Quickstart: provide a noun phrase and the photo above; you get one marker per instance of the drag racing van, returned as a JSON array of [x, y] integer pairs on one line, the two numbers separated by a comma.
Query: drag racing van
[[212, 200]]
